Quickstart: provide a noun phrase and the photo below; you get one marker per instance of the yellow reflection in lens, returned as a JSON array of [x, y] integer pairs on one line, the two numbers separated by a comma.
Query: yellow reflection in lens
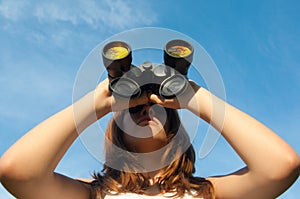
[[117, 52], [179, 51]]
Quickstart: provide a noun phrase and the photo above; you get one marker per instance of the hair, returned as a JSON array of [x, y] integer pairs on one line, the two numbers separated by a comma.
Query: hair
[[176, 177]]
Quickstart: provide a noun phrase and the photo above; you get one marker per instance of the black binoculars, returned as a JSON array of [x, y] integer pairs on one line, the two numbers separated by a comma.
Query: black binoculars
[[167, 80]]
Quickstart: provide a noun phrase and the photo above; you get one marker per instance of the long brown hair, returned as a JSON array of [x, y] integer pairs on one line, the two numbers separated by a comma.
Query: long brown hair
[[176, 177]]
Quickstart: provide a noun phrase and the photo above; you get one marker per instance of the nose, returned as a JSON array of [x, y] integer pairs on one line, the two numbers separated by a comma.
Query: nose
[[147, 110]]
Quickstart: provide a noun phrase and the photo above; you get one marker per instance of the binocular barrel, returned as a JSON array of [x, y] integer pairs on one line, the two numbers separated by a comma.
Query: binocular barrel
[[117, 58], [168, 79], [178, 54]]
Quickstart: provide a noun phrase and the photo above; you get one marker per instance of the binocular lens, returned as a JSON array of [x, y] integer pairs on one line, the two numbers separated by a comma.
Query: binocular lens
[[125, 87], [179, 51], [173, 86], [117, 52]]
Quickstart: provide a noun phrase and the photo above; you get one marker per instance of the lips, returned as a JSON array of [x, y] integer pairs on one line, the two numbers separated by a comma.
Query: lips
[[143, 119]]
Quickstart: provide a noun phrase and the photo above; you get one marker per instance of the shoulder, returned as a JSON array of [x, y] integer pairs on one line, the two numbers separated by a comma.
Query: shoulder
[[87, 183], [139, 196], [84, 180]]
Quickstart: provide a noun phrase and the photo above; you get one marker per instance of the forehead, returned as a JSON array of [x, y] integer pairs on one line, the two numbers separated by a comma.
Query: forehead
[[156, 107], [139, 107]]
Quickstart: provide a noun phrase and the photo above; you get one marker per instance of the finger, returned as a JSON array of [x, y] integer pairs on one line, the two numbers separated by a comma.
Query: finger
[[168, 103], [156, 99]]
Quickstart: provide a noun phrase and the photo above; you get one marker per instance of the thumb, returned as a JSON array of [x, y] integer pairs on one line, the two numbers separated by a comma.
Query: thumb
[[156, 99]]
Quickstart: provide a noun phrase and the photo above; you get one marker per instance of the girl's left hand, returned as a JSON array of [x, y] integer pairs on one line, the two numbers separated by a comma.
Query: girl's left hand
[[179, 102]]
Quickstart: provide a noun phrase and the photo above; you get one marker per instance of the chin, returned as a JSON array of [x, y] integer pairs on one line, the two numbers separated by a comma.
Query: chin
[[147, 145]]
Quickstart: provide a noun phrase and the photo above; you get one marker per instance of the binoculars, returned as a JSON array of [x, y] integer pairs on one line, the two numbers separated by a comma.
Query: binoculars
[[168, 79]]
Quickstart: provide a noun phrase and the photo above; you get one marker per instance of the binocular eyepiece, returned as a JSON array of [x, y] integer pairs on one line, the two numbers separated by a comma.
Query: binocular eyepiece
[[167, 80]]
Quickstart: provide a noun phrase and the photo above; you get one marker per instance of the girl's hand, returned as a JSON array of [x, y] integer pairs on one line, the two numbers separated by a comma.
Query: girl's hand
[[179, 102], [105, 101]]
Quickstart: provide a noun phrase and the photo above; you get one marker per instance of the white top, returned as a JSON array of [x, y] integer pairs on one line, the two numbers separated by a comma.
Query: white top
[[138, 196]]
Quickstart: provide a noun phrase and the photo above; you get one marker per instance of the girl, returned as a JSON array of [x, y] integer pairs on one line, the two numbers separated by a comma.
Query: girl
[[27, 168]]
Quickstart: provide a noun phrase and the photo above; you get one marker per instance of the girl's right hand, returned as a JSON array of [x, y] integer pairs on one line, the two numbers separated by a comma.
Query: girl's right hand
[[105, 101]]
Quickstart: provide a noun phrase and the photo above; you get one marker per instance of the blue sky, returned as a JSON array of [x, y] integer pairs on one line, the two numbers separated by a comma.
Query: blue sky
[[255, 45]]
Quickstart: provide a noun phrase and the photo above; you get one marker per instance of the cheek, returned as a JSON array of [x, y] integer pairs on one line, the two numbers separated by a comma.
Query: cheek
[[127, 125]]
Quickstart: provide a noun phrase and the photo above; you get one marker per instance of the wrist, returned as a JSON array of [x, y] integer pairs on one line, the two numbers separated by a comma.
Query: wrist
[[101, 103], [209, 108], [201, 103]]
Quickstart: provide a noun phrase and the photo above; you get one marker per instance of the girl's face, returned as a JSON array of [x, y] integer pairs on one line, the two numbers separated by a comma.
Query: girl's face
[[144, 128]]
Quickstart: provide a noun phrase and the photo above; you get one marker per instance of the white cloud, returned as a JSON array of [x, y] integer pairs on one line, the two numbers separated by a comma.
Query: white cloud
[[115, 14], [51, 11], [12, 10], [122, 14], [61, 23]]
